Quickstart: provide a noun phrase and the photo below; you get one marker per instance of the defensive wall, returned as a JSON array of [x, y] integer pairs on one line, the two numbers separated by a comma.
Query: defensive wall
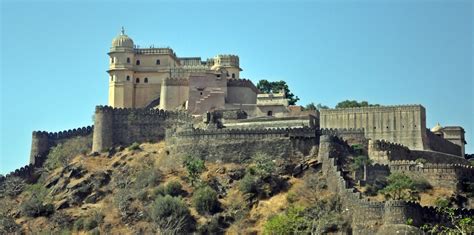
[[383, 152], [403, 124], [41, 143], [124, 126], [439, 144], [239, 145], [438, 175], [369, 217]]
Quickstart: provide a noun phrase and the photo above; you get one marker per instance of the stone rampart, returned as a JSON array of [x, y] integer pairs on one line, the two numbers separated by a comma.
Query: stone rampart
[[438, 175], [119, 126], [239, 145], [383, 152], [439, 144], [352, 136], [42, 141], [403, 124], [369, 216]]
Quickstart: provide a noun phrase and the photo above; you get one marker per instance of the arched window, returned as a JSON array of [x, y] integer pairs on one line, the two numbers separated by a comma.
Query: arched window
[[270, 113], [137, 80], [146, 80], [128, 78], [128, 60], [157, 62], [138, 62], [233, 75]]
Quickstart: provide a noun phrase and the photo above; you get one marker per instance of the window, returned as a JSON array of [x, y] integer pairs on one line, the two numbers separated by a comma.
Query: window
[[270, 113], [137, 80], [201, 93], [128, 60], [138, 62], [233, 75], [112, 60], [158, 62], [111, 78], [146, 80], [128, 78]]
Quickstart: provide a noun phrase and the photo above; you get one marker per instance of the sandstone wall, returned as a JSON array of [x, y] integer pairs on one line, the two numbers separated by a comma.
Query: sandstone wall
[[239, 145], [439, 144], [114, 126], [400, 124]]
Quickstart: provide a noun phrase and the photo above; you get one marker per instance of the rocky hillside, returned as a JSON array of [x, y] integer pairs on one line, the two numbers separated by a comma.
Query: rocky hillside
[[143, 189]]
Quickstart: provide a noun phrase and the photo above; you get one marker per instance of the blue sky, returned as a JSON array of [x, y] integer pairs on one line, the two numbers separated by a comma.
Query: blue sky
[[53, 55]]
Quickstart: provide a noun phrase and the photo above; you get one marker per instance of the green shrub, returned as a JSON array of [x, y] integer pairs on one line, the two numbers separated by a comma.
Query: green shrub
[[195, 167], [60, 155], [174, 188], [205, 200], [90, 224], [79, 224], [134, 146], [148, 178], [34, 208], [442, 202], [170, 215], [12, 186], [248, 184], [213, 226], [290, 222]]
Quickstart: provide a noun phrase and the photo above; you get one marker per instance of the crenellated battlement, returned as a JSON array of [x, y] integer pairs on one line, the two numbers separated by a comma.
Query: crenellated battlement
[[376, 213], [248, 132]]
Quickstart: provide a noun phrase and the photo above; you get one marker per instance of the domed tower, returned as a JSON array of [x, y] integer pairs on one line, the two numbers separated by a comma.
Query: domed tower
[[121, 71], [229, 63]]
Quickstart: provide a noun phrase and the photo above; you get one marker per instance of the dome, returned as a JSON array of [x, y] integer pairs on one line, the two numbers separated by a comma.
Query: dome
[[436, 128], [122, 40]]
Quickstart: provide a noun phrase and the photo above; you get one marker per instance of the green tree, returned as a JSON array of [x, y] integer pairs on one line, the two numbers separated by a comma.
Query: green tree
[[195, 167], [360, 162], [400, 187], [275, 87], [459, 224], [354, 104]]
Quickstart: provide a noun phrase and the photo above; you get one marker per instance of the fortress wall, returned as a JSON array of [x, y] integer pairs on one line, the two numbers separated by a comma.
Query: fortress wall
[[238, 145], [367, 216], [401, 124], [42, 141], [438, 175], [383, 152], [439, 144], [115, 126], [352, 136]]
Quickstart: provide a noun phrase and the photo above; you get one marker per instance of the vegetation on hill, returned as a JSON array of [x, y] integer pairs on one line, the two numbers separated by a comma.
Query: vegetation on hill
[[275, 87], [142, 189]]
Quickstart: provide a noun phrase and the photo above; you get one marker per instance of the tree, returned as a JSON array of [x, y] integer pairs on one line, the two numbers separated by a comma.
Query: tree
[[195, 167], [312, 106], [171, 215], [458, 224], [205, 200], [400, 187], [275, 87], [354, 104], [360, 162]]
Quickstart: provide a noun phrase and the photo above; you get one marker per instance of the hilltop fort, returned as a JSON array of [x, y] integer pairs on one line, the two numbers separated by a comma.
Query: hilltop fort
[[203, 108]]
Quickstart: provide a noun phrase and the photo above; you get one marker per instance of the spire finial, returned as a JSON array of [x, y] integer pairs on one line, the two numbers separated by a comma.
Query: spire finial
[[123, 31]]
